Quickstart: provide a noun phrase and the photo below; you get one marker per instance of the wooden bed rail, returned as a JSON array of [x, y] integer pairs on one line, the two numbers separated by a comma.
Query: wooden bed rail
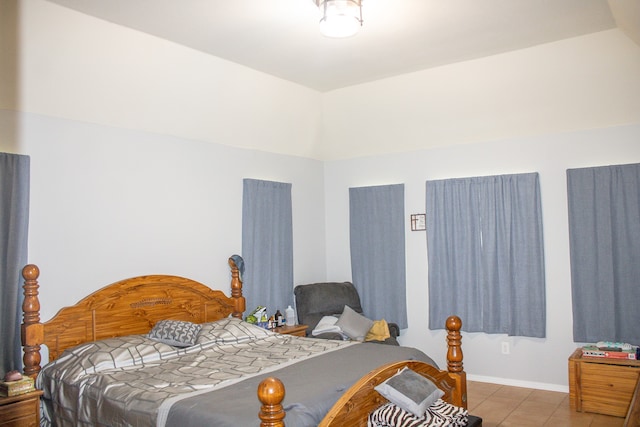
[[352, 408]]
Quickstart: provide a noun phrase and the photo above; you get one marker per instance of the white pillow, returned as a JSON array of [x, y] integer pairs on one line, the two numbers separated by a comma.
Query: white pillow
[[326, 324], [410, 391], [230, 330]]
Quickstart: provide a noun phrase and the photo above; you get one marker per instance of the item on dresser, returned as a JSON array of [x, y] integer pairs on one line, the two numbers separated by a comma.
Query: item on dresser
[[279, 319], [12, 376], [15, 388], [291, 316], [609, 352], [612, 346], [257, 315]]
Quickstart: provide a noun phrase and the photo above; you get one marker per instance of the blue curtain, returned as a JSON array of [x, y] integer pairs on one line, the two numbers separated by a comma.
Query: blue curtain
[[604, 237], [378, 271], [267, 244], [485, 254], [14, 225]]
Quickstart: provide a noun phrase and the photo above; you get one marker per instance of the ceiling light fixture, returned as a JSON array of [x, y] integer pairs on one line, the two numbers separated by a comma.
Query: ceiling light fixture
[[340, 18]]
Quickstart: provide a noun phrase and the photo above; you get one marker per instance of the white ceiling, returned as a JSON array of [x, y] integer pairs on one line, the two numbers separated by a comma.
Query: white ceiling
[[281, 37]]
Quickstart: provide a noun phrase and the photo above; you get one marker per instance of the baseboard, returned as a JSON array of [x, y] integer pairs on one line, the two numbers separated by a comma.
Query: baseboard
[[518, 383]]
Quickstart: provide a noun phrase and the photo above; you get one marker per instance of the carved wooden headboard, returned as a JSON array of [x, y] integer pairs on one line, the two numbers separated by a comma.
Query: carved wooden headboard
[[128, 307]]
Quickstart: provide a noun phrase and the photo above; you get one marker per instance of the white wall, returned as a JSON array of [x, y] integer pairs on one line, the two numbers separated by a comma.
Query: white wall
[[138, 150], [70, 65], [540, 363], [110, 203], [580, 83]]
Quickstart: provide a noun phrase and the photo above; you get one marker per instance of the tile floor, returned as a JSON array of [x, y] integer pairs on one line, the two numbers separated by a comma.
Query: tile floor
[[507, 406]]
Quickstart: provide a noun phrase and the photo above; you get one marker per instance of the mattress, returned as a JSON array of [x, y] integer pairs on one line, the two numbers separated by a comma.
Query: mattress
[[134, 380]]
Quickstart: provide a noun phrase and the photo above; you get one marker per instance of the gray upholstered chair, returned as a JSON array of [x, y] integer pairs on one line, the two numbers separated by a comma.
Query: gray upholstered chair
[[316, 300]]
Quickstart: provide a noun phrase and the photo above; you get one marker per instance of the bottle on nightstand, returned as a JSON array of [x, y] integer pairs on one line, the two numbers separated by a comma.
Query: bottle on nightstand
[[279, 319], [291, 316]]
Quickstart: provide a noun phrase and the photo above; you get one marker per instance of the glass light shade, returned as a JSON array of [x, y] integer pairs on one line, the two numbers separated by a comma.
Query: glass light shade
[[341, 18]]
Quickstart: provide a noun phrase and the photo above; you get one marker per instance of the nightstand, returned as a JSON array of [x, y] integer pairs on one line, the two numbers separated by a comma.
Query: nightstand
[[21, 411], [297, 330], [602, 385]]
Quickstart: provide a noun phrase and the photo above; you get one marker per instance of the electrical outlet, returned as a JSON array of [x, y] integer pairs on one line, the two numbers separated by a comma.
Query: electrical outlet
[[505, 347]]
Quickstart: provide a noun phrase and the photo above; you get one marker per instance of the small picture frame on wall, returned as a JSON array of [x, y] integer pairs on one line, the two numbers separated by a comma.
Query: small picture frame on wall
[[418, 222]]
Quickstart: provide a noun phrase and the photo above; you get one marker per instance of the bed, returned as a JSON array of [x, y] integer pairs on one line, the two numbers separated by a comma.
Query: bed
[[101, 344]]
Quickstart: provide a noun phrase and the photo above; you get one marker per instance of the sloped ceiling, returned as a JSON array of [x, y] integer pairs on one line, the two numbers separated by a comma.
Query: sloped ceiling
[[281, 37]]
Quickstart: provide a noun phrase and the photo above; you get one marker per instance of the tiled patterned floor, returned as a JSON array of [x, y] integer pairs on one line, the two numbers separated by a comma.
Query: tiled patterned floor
[[506, 406]]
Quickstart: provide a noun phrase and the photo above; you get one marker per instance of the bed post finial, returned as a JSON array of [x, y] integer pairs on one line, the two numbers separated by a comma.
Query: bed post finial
[[271, 394], [454, 340], [31, 330], [236, 286], [454, 360]]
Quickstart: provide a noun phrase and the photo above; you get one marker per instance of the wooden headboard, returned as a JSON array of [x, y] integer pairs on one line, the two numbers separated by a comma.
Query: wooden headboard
[[128, 307]]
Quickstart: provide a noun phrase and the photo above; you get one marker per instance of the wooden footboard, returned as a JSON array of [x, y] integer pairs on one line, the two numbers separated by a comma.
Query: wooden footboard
[[358, 401], [127, 307]]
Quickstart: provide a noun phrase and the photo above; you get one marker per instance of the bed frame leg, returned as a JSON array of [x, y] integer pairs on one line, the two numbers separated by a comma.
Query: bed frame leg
[[32, 333], [271, 394]]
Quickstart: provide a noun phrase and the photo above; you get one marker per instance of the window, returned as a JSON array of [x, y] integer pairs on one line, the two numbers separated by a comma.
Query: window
[[378, 271], [267, 244], [14, 226], [604, 237], [485, 254]]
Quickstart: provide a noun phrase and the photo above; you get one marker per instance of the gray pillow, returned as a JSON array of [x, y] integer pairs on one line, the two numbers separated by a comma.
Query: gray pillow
[[353, 324], [177, 333], [410, 391]]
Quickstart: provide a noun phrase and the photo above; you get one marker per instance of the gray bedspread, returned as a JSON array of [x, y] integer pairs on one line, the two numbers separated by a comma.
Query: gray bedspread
[[136, 381], [312, 387]]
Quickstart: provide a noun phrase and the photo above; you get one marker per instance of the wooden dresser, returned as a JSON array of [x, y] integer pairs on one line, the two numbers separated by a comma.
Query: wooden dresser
[[21, 411], [602, 385]]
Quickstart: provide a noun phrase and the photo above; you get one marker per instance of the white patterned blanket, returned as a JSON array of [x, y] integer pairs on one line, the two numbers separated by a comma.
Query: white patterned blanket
[[134, 381]]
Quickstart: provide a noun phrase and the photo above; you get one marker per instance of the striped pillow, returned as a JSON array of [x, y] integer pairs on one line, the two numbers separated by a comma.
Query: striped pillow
[[177, 333], [440, 414]]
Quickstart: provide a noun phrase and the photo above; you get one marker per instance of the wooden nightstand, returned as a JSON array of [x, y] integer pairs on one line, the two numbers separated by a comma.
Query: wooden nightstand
[[297, 330], [21, 411], [602, 385]]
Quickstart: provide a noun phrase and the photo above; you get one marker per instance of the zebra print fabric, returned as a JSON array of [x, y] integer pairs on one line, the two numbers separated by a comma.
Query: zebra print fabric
[[440, 414]]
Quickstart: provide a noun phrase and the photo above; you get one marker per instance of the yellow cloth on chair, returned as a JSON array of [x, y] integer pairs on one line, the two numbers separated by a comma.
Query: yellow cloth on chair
[[379, 331]]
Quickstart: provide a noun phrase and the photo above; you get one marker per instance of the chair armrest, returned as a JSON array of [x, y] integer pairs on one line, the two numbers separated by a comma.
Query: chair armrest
[[394, 330], [328, 336]]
